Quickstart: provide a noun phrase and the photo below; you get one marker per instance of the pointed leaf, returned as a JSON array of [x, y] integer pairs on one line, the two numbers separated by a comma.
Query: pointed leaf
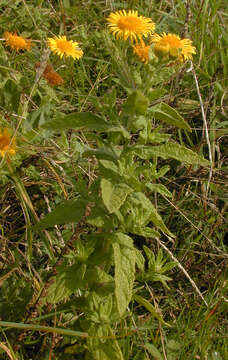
[[167, 114], [139, 211], [77, 121], [101, 153], [160, 188], [140, 300], [171, 150], [70, 211], [146, 231], [124, 258]]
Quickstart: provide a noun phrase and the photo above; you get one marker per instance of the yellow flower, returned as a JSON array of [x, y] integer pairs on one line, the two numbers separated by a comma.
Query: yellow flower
[[130, 25], [17, 42], [61, 46], [142, 51], [171, 47], [5, 146]]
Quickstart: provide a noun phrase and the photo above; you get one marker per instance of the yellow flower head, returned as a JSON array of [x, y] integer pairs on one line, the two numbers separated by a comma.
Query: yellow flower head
[[17, 42], [171, 47], [63, 47], [142, 51], [130, 25], [5, 146]]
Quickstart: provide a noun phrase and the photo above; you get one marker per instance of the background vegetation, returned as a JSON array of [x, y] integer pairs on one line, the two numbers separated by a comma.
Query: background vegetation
[[141, 273]]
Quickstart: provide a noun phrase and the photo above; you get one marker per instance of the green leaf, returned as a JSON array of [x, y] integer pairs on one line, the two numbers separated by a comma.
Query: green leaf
[[139, 211], [114, 195], [77, 121], [147, 305], [103, 349], [12, 94], [146, 231], [167, 114], [160, 188], [171, 150], [66, 283], [174, 345], [70, 211], [153, 351], [156, 94], [139, 259], [136, 104], [103, 153], [98, 217], [119, 129], [124, 257]]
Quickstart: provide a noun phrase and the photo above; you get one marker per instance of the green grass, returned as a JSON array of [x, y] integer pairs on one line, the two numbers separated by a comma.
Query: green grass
[[68, 289]]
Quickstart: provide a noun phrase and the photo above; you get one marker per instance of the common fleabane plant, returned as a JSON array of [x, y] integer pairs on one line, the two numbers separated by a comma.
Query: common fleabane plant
[[119, 202], [98, 276]]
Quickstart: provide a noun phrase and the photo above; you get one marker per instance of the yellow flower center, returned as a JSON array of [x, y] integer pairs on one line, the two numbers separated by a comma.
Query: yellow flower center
[[4, 142], [172, 40], [130, 23], [64, 46], [168, 46]]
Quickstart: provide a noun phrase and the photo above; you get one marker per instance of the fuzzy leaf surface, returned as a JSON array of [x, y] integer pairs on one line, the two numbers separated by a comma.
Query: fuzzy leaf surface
[[114, 195], [77, 121], [167, 114], [160, 188], [124, 258], [171, 150], [70, 211]]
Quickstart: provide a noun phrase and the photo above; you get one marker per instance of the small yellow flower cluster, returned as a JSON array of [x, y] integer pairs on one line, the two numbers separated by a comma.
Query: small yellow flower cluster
[[58, 45], [171, 47], [17, 42], [7, 144], [167, 47], [63, 47]]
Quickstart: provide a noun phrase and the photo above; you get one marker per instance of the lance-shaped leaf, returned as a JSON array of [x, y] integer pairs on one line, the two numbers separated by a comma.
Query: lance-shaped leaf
[[167, 114], [124, 258], [160, 188], [138, 211], [140, 300], [77, 121], [70, 211], [103, 153], [170, 150]]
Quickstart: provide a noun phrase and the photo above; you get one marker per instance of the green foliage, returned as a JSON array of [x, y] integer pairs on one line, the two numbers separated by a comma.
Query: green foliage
[[114, 195], [164, 112], [157, 266], [124, 257], [110, 179], [65, 213]]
